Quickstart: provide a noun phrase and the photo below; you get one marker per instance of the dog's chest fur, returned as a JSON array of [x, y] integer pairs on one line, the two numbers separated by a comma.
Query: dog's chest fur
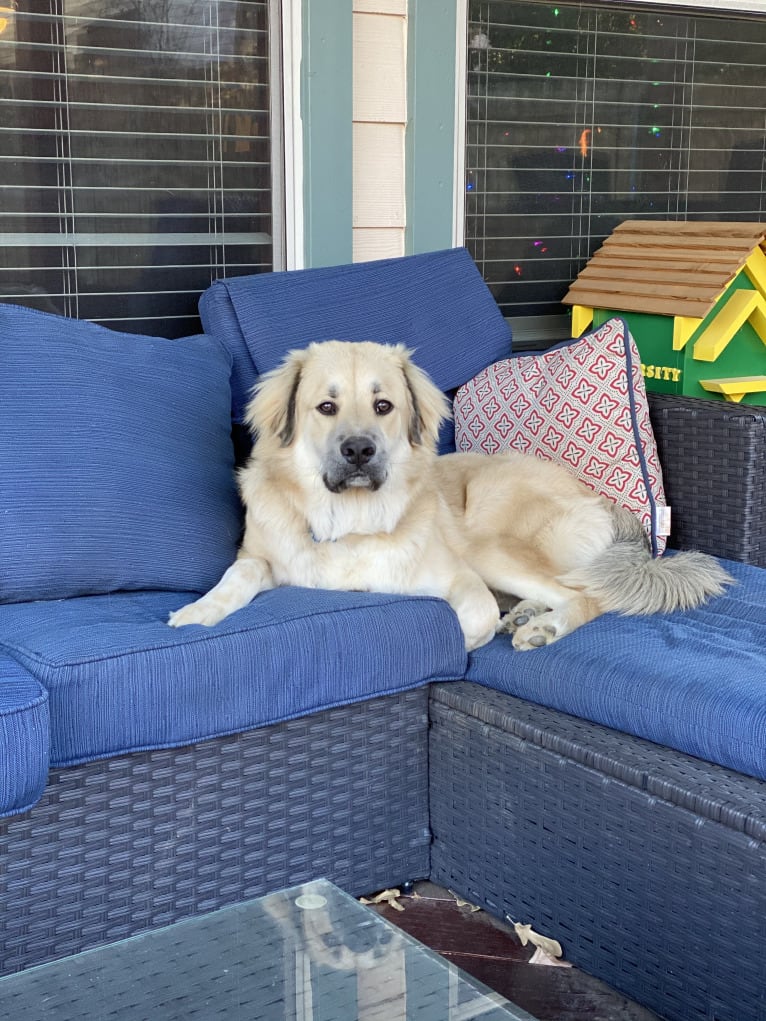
[[356, 540]]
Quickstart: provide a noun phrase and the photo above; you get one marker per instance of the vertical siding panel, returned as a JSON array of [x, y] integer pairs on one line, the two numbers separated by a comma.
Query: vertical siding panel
[[379, 175], [377, 243], [379, 60], [381, 7], [380, 119]]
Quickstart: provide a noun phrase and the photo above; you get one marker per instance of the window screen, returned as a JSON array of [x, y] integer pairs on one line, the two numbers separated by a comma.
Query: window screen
[[580, 116], [136, 155]]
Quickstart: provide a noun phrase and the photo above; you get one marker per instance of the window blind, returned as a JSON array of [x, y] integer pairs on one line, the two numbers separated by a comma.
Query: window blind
[[580, 116], [136, 151]]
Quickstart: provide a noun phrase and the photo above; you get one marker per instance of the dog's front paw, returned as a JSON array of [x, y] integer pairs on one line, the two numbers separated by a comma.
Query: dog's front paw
[[479, 624], [475, 640], [207, 612]]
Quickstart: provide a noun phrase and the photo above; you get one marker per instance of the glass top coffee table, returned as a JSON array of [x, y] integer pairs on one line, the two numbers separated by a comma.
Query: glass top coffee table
[[311, 953]]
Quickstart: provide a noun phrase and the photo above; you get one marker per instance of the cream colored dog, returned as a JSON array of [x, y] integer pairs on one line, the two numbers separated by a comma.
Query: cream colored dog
[[344, 490]]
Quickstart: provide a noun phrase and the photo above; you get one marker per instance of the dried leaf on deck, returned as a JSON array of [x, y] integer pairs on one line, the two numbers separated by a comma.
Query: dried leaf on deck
[[390, 897], [528, 935], [464, 903], [541, 957]]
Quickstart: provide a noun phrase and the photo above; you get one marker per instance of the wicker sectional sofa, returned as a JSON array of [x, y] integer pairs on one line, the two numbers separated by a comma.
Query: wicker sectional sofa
[[148, 774]]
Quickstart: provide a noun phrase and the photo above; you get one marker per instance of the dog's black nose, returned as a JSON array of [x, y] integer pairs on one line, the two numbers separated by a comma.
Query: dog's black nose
[[357, 450]]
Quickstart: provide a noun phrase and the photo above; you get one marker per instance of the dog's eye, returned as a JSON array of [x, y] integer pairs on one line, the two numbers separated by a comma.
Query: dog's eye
[[383, 407], [327, 408]]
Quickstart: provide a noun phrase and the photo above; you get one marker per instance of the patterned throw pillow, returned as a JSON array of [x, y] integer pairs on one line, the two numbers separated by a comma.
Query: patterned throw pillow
[[582, 404]]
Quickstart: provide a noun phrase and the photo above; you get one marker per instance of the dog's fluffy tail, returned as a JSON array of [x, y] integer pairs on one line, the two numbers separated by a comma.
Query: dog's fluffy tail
[[626, 579]]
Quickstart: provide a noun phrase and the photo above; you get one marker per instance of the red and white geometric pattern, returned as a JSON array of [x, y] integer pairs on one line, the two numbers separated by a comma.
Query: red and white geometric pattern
[[583, 405]]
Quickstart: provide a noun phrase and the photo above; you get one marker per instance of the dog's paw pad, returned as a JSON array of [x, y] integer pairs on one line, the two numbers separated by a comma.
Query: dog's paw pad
[[520, 615], [534, 635], [540, 640]]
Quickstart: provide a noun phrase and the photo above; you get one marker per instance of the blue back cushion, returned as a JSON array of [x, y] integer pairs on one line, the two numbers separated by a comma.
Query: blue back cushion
[[436, 303], [116, 461]]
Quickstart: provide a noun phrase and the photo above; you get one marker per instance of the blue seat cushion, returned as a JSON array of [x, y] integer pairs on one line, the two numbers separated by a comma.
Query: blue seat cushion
[[694, 681], [116, 460], [120, 679], [435, 303], [24, 738]]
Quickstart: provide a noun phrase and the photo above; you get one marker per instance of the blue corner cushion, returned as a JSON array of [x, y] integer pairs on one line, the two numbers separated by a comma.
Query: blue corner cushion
[[436, 304], [116, 465], [120, 679], [24, 738], [694, 681]]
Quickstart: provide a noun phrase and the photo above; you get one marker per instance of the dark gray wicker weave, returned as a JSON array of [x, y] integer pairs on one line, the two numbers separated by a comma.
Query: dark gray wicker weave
[[127, 844], [713, 457], [648, 865]]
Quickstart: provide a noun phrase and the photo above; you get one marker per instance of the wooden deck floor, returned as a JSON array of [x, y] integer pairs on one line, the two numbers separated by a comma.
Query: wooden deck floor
[[491, 952]]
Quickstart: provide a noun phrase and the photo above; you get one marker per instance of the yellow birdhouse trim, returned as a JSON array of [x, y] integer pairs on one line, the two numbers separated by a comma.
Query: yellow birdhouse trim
[[683, 328], [735, 389], [582, 317], [742, 306], [755, 268]]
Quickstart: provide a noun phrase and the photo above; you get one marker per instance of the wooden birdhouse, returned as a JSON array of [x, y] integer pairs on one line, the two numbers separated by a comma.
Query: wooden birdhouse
[[694, 298]]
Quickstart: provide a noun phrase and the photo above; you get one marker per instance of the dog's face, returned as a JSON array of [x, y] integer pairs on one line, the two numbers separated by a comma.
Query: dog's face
[[350, 411]]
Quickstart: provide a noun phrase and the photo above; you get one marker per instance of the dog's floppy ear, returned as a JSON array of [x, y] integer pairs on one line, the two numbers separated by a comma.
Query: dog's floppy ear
[[271, 412], [428, 405]]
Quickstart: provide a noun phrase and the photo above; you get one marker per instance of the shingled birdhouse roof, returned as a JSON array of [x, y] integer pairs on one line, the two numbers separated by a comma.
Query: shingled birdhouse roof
[[666, 267]]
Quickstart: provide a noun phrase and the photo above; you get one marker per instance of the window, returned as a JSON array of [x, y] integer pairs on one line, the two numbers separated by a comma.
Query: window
[[580, 116], [137, 140]]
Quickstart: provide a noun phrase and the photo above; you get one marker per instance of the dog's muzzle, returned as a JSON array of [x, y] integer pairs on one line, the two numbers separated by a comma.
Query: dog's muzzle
[[356, 463]]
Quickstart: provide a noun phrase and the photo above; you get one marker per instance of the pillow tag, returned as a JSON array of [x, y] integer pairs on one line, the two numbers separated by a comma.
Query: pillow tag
[[663, 520]]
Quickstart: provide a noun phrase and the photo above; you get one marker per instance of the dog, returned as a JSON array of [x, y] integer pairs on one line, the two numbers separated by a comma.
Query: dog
[[344, 490]]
